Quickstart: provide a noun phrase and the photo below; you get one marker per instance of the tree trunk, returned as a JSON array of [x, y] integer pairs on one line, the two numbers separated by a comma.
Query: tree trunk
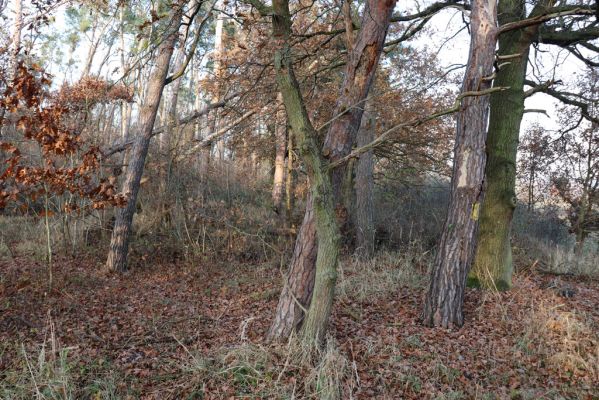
[[280, 150], [364, 187], [289, 196], [219, 51], [125, 106], [14, 53], [445, 297], [579, 227], [119, 242], [93, 45], [299, 281], [359, 74], [316, 320], [493, 268]]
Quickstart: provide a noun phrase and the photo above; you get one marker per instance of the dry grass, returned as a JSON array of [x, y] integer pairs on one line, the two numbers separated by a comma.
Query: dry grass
[[43, 372], [198, 333], [383, 275], [281, 371], [561, 259], [565, 339]]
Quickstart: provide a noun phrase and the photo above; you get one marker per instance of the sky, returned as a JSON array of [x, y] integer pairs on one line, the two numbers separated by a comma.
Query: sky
[[560, 64], [446, 24]]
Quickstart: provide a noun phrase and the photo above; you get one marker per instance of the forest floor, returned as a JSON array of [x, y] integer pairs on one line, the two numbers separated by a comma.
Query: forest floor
[[179, 331]]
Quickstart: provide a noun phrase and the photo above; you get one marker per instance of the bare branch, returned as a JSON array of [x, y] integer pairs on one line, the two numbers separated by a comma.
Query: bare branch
[[386, 136], [541, 18], [203, 111], [564, 98], [431, 10]]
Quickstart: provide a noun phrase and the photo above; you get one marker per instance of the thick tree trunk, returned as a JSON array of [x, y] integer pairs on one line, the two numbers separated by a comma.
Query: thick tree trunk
[[119, 243], [445, 297], [359, 74], [493, 268], [280, 150], [299, 281], [364, 187]]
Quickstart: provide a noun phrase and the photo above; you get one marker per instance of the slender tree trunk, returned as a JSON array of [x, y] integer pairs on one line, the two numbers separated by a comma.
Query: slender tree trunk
[[280, 150], [14, 52], [364, 187], [579, 227], [219, 52], [493, 268], [173, 116], [359, 74], [289, 181], [119, 243], [125, 107], [531, 189], [445, 297], [93, 46]]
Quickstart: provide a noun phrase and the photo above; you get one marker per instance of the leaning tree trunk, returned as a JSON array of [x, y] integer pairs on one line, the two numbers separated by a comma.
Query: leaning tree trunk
[[359, 74], [492, 267], [320, 185], [363, 211], [299, 281], [445, 297], [119, 242]]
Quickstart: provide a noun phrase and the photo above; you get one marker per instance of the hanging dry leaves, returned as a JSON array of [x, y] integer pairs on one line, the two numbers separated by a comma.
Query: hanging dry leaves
[[42, 118]]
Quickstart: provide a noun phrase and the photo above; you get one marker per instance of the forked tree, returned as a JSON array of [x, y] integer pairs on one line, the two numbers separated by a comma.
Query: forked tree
[[313, 265]]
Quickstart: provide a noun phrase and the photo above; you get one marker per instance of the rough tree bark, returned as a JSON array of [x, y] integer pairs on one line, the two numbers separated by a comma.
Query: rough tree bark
[[119, 242], [280, 150], [364, 187], [492, 267], [316, 320], [299, 281], [289, 179], [444, 300], [359, 73]]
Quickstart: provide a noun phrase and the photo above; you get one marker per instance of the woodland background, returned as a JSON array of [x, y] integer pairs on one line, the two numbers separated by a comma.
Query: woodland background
[[299, 199]]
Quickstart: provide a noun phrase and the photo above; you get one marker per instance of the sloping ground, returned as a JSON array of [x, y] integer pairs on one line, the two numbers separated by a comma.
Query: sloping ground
[[175, 331]]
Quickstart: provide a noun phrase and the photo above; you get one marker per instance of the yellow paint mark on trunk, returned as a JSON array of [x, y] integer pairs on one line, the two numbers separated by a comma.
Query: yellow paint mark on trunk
[[475, 211]]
